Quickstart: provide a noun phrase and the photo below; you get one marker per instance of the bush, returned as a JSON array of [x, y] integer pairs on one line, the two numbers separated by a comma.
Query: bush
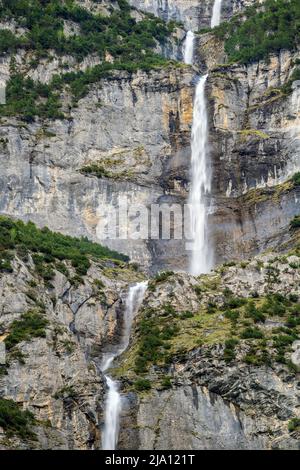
[[254, 313], [31, 325], [295, 222], [229, 350], [163, 276], [296, 179], [294, 425], [234, 302], [142, 384], [232, 315], [166, 383], [186, 314], [249, 333], [15, 421]]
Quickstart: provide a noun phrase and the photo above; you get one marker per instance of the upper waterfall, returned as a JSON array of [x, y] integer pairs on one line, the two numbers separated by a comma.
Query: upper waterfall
[[201, 257], [188, 49], [216, 14]]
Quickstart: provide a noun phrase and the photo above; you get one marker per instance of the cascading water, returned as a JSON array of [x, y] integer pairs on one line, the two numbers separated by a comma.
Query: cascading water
[[113, 403], [201, 256], [216, 14], [188, 49]]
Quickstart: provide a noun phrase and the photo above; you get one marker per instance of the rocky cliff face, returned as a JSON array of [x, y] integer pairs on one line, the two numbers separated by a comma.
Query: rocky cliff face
[[255, 149], [212, 388], [55, 374], [136, 126]]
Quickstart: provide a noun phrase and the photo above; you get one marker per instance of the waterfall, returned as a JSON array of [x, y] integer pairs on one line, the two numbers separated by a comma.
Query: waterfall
[[113, 403], [216, 14], [188, 49], [201, 256]]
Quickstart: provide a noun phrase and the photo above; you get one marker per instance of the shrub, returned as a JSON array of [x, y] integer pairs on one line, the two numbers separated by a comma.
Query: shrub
[[296, 179], [232, 315], [229, 350], [186, 314], [249, 333], [166, 383], [31, 325], [142, 384], [15, 421], [294, 425], [163, 276], [254, 313], [295, 222], [234, 302]]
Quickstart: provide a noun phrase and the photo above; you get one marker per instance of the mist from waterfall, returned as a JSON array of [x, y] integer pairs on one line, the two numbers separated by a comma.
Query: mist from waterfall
[[113, 404], [188, 49], [216, 14], [201, 255]]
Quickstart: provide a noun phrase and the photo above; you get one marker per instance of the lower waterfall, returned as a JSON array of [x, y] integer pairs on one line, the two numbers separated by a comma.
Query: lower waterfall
[[201, 255], [113, 403]]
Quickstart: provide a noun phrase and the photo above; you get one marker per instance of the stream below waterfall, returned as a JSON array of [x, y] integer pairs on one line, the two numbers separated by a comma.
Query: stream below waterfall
[[113, 404]]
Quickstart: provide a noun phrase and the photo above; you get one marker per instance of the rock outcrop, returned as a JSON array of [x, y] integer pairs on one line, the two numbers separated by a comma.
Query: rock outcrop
[[211, 387]]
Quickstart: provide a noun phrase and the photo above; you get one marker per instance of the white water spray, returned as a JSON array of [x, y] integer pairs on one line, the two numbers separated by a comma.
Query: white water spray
[[201, 256], [188, 49], [113, 404], [216, 14]]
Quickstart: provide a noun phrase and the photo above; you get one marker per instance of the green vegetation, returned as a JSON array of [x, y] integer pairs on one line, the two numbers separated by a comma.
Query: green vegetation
[[154, 336], [119, 34], [249, 333], [67, 392], [8, 41], [296, 179], [141, 385], [15, 421], [259, 31], [120, 42], [30, 325], [48, 247], [295, 222], [95, 170], [165, 335], [294, 425], [160, 277], [28, 99], [229, 351]]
